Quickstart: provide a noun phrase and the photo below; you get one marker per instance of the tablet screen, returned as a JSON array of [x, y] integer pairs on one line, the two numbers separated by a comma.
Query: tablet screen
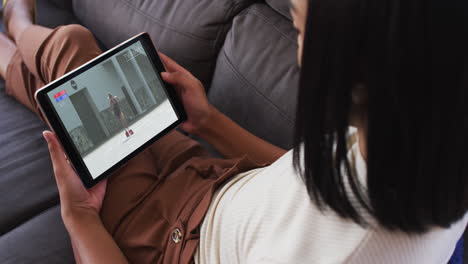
[[113, 108]]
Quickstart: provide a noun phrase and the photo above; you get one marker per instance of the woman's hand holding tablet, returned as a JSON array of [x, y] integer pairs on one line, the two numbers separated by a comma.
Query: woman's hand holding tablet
[[192, 94]]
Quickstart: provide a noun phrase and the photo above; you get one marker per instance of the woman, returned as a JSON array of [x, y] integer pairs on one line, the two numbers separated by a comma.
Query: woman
[[392, 191], [115, 107]]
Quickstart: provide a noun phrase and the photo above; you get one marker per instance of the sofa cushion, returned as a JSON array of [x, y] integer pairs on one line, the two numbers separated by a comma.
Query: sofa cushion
[[61, 5], [53, 13], [27, 185], [256, 77], [43, 239], [190, 31], [465, 238], [281, 6]]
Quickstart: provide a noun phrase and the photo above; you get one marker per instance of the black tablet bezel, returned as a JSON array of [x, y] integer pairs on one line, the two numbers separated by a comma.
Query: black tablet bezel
[[58, 127]]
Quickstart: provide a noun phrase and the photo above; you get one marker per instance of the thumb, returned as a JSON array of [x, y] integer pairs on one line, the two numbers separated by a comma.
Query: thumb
[[68, 182], [57, 155]]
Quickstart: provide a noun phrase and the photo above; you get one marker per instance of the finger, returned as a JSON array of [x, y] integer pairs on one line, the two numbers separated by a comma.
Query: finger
[[57, 155], [170, 64], [67, 180], [167, 77], [100, 188], [177, 79]]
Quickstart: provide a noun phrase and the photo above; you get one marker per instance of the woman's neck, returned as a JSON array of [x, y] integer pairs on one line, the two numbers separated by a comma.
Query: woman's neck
[[362, 135]]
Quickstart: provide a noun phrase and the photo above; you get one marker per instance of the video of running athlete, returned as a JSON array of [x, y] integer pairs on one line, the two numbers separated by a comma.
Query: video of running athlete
[[114, 108]]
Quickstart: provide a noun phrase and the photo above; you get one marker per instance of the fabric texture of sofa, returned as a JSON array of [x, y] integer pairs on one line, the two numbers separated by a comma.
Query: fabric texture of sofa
[[242, 50]]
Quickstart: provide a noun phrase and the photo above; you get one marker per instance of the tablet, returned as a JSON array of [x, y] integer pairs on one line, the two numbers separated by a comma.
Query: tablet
[[110, 109]]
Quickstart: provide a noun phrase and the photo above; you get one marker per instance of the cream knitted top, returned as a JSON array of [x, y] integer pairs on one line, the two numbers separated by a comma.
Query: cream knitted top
[[266, 216]]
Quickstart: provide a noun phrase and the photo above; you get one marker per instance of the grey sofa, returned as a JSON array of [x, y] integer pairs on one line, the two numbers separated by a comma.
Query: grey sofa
[[244, 51]]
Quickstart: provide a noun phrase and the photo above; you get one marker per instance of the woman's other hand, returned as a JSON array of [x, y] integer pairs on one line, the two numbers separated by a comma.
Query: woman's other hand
[[75, 199], [205, 121], [191, 92]]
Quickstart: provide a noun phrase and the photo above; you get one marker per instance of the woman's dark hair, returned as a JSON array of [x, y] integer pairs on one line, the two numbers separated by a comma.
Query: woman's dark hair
[[411, 57]]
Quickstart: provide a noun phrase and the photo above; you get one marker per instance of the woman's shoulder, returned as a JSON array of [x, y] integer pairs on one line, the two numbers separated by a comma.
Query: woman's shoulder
[[274, 202]]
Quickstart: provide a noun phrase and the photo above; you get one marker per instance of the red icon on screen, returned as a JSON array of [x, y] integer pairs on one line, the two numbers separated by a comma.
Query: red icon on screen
[[60, 96]]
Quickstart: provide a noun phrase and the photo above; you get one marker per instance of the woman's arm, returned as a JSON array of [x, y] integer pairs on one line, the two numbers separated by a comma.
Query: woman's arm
[[205, 121], [75, 252], [91, 241], [233, 141], [80, 212]]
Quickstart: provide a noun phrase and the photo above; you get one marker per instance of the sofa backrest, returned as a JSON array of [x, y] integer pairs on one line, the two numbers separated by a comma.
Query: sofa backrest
[[280, 6], [256, 77], [190, 31], [65, 5]]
